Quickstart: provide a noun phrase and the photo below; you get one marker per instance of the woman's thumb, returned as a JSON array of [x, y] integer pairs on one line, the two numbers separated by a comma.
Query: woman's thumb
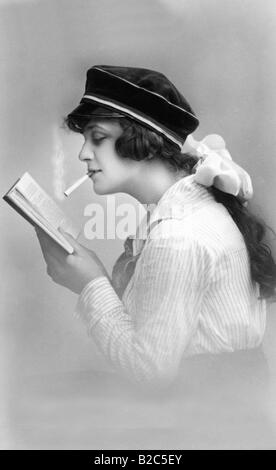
[[77, 247]]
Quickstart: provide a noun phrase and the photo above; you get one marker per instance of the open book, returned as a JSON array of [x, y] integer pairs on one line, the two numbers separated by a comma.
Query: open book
[[28, 198]]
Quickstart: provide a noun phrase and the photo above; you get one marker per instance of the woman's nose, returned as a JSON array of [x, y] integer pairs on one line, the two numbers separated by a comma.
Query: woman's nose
[[86, 153]]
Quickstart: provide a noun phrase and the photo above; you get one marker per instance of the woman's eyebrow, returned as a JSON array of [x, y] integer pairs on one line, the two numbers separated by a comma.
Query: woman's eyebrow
[[92, 126]]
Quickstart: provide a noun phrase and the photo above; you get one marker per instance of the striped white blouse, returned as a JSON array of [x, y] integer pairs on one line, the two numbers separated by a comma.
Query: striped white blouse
[[190, 292]]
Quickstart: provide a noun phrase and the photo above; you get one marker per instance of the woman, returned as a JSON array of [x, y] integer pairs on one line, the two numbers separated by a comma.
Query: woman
[[197, 282]]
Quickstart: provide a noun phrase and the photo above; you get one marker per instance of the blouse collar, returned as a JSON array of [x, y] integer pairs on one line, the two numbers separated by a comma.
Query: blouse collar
[[180, 199], [184, 197]]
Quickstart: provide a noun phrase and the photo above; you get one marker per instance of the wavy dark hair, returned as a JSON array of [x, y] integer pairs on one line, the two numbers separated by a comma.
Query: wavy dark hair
[[139, 143]]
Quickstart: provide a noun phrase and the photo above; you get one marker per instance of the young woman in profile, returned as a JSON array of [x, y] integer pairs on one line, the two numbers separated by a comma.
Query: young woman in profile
[[198, 281]]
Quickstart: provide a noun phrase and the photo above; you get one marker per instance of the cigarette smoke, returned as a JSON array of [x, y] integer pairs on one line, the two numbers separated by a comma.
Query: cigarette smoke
[[58, 159]]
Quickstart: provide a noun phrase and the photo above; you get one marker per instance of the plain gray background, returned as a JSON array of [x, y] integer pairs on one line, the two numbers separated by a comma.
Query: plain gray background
[[219, 53]]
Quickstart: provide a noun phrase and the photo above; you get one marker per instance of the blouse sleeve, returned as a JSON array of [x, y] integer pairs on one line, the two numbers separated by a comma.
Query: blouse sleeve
[[146, 342]]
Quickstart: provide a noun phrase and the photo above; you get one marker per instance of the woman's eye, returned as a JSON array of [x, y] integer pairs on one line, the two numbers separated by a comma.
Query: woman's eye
[[97, 139]]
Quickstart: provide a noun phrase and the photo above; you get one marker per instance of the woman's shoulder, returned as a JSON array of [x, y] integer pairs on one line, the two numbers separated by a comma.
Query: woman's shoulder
[[210, 227]]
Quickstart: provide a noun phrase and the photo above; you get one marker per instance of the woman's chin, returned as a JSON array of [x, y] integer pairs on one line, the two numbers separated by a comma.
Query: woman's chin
[[103, 189], [100, 189], [97, 190]]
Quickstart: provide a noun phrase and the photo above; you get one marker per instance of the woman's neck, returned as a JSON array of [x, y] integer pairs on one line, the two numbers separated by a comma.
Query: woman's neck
[[152, 181]]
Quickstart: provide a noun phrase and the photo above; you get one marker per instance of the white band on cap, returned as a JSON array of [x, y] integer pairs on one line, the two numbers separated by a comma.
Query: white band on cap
[[134, 115]]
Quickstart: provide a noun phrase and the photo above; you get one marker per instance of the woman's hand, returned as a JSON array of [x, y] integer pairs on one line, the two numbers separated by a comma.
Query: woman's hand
[[72, 271]]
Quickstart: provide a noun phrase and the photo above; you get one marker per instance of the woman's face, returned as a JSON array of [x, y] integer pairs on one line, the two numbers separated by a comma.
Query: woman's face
[[98, 152]]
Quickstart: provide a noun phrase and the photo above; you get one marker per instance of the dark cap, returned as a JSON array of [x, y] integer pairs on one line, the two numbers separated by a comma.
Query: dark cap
[[141, 94]]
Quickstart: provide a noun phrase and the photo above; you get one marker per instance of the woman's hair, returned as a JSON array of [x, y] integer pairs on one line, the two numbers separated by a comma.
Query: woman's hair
[[141, 143]]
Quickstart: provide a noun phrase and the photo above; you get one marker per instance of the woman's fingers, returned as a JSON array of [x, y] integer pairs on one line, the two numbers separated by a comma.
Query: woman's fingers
[[78, 248], [71, 271], [42, 242], [49, 246], [52, 267]]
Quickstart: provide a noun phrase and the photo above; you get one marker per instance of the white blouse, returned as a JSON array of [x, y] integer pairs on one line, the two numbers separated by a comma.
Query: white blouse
[[190, 293]]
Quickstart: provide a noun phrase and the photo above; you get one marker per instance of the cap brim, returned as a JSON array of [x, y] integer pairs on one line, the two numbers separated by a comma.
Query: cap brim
[[88, 110]]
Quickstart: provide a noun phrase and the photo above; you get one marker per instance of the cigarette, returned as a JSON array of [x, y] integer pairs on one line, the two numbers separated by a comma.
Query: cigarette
[[76, 185]]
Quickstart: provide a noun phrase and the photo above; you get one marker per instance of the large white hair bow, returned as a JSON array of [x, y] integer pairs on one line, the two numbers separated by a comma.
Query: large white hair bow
[[216, 167]]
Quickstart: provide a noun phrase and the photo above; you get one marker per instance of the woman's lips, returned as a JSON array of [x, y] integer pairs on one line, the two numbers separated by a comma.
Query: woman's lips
[[92, 173]]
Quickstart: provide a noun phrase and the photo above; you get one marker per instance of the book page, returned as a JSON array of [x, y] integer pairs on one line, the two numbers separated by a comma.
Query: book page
[[39, 220], [44, 204]]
